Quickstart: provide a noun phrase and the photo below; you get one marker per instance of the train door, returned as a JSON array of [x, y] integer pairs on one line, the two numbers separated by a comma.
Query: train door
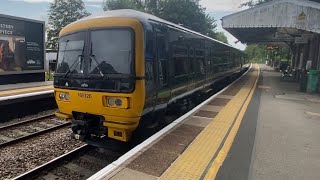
[[150, 73], [163, 88]]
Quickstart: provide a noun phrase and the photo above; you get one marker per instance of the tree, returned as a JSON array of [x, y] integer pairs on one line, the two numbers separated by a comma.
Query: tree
[[122, 4], [222, 37], [62, 13], [188, 13], [256, 53], [253, 3]]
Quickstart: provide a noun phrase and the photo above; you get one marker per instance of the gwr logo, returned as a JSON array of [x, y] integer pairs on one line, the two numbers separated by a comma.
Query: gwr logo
[[84, 95]]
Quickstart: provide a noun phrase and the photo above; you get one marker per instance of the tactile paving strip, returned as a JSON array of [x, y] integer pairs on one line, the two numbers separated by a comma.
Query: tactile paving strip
[[193, 162]]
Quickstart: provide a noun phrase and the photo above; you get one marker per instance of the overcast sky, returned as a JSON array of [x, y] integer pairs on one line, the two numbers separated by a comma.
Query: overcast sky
[[37, 9]]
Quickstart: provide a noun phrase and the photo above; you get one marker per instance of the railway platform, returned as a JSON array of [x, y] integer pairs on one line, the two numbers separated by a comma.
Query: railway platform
[[259, 127], [13, 93]]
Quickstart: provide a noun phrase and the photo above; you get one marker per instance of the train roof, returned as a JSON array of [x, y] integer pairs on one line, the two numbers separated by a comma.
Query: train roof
[[145, 18]]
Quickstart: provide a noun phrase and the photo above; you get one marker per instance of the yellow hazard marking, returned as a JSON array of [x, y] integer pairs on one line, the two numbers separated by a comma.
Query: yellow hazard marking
[[25, 90], [194, 161], [214, 169]]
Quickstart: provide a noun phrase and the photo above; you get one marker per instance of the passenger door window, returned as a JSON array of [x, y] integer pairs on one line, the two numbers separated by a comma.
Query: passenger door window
[[162, 59]]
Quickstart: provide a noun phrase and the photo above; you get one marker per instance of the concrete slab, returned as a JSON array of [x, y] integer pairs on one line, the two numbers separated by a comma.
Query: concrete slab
[[225, 96], [207, 114], [212, 108], [173, 144], [187, 131], [287, 142], [153, 162], [130, 174], [198, 121], [219, 102]]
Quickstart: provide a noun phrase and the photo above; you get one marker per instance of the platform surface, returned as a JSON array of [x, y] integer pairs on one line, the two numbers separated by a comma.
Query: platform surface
[[262, 129], [13, 93], [24, 85]]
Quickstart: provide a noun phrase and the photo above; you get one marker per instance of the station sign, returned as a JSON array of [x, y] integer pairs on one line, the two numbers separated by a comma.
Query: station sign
[[21, 45]]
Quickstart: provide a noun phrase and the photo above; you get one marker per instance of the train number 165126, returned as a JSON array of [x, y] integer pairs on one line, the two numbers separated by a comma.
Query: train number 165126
[[84, 95]]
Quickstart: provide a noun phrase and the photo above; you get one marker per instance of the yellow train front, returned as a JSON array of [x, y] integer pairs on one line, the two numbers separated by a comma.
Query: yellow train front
[[113, 69]]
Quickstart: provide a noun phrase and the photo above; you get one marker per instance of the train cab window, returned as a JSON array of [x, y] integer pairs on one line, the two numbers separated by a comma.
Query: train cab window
[[70, 50], [112, 51]]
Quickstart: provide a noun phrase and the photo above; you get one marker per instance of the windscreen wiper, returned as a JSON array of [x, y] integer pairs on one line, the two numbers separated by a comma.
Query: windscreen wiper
[[92, 57], [76, 62]]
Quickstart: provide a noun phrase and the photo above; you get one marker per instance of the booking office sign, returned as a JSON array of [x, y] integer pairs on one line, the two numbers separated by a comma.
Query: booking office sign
[[21, 45]]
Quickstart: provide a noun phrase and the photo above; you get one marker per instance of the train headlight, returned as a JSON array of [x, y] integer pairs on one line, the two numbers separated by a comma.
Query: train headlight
[[118, 102], [110, 101], [67, 96], [61, 96]]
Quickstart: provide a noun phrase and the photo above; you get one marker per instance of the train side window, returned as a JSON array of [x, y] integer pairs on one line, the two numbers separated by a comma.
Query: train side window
[[149, 76], [180, 58], [162, 59]]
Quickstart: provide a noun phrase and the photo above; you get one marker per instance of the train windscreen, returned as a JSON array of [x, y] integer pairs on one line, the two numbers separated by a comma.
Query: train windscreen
[[99, 59]]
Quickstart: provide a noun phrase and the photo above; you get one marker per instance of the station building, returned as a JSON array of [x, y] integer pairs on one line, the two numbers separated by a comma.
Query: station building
[[293, 23]]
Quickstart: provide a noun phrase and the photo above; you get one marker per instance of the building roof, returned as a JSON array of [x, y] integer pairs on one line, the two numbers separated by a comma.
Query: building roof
[[275, 21]]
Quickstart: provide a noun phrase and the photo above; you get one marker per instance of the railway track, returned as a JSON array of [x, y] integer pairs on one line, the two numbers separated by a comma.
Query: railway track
[[80, 163], [20, 131]]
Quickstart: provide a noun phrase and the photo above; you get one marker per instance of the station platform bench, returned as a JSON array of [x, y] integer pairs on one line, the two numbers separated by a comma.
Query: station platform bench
[[13, 93]]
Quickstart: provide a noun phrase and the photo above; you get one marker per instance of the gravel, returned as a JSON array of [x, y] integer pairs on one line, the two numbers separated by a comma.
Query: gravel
[[67, 174], [11, 134], [24, 156], [87, 165], [16, 120]]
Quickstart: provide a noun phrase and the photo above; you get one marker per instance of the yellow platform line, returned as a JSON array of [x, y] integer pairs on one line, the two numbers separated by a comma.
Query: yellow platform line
[[214, 169], [194, 161], [25, 90]]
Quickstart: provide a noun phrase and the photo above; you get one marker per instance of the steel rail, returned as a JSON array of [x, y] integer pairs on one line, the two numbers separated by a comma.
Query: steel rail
[[30, 135], [53, 163]]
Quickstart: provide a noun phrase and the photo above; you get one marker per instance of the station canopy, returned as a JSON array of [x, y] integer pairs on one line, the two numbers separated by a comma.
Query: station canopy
[[289, 21]]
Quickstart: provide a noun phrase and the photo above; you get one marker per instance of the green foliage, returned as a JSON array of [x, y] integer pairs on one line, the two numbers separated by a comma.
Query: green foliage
[[221, 37], [120, 4], [253, 3], [259, 53], [188, 13], [256, 53], [62, 13]]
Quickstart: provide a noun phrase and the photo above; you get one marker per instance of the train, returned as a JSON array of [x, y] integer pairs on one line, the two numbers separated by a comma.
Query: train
[[123, 68]]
